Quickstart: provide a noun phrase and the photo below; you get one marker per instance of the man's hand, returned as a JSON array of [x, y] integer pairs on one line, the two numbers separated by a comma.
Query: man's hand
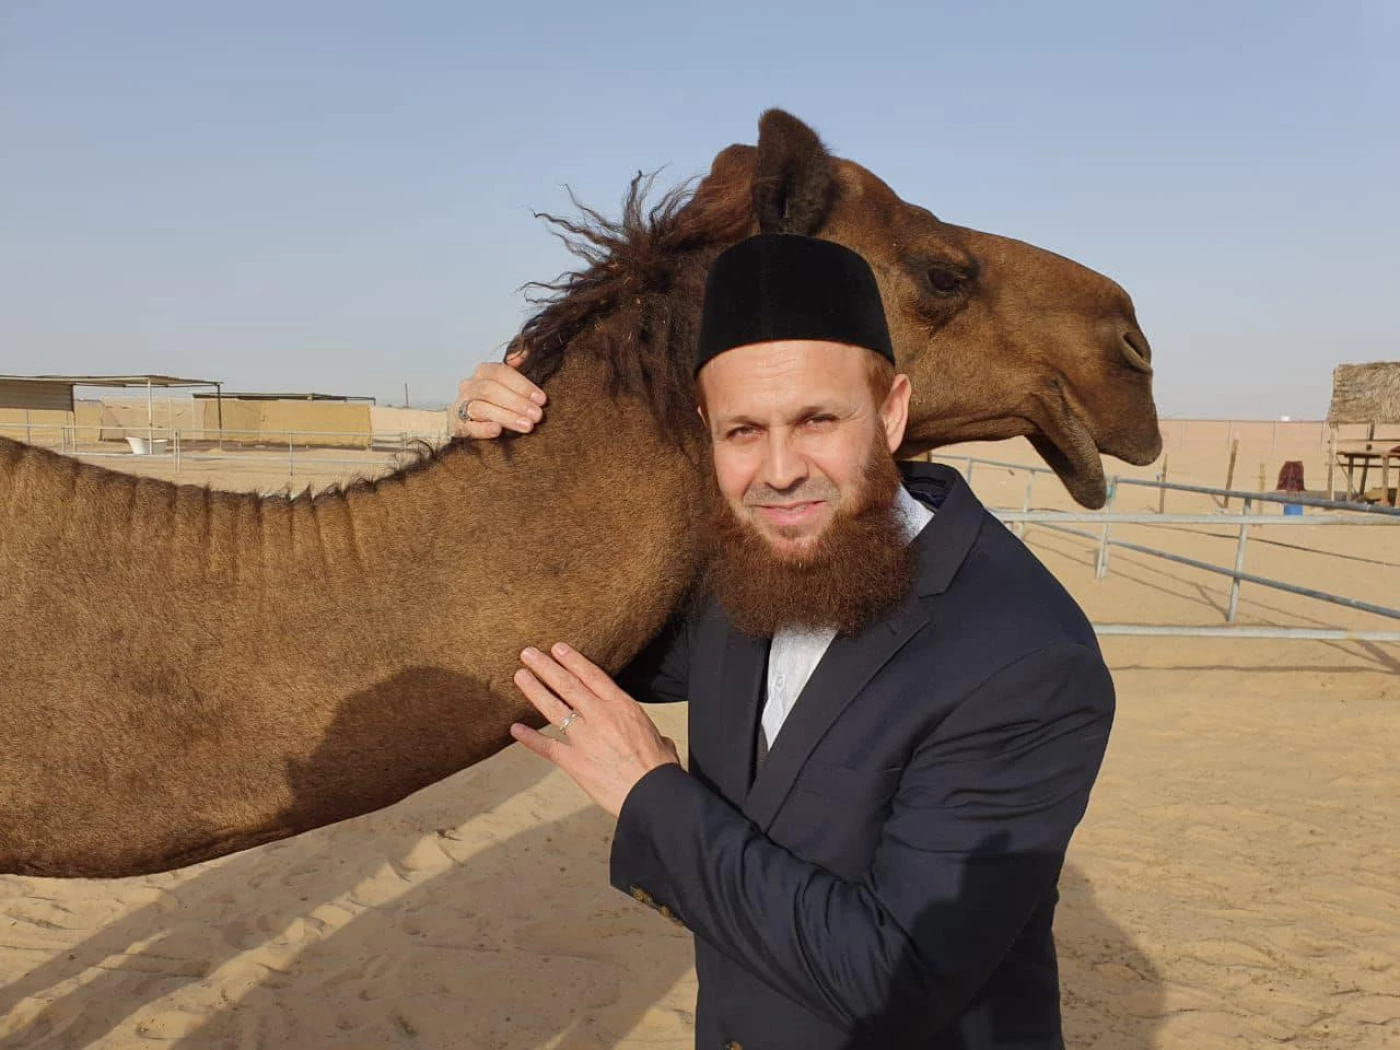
[[497, 397], [609, 745]]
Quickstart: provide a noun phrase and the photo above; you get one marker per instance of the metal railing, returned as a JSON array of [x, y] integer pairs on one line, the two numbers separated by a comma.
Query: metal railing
[[1355, 514], [176, 443]]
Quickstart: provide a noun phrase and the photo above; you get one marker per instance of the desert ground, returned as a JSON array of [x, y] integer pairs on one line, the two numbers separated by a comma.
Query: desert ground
[[1235, 884]]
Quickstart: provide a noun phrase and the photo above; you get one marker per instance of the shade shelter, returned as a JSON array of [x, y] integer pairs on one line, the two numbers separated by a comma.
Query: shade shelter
[[1369, 395], [55, 392]]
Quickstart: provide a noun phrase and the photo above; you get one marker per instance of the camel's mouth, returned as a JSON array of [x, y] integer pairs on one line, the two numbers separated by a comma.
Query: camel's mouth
[[1066, 445], [1081, 473]]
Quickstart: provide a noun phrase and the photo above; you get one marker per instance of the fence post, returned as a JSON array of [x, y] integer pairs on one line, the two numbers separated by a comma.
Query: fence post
[[1331, 463], [1026, 503], [1239, 566], [1230, 471], [968, 476], [1162, 492], [291, 453], [1101, 566], [177, 452]]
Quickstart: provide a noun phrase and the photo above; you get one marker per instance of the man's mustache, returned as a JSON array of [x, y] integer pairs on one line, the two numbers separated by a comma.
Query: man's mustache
[[806, 493]]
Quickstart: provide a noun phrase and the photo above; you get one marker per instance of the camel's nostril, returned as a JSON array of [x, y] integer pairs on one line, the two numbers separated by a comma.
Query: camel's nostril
[[1137, 351]]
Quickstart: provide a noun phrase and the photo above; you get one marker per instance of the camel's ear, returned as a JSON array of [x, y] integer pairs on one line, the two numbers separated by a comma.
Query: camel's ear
[[794, 185]]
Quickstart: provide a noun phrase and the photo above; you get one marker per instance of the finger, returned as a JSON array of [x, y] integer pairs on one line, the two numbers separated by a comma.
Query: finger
[[491, 402], [594, 678], [494, 390], [507, 374], [537, 742], [474, 429], [563, 682], [540, 697], [516, 353]]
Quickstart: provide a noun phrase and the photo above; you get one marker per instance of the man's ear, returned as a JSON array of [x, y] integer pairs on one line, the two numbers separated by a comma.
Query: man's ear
[[894, 413], [794, 181]]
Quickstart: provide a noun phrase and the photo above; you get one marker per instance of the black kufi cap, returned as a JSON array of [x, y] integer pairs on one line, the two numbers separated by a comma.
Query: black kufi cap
[[786, 286]]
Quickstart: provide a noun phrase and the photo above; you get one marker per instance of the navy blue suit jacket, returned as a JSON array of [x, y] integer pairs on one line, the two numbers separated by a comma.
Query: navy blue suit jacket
[[886, 878]]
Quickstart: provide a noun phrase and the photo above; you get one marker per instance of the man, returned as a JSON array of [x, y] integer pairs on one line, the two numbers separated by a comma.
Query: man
[[896, 713]]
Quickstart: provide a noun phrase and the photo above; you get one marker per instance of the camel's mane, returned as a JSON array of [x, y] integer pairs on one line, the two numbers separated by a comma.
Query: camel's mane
[[634, 304]]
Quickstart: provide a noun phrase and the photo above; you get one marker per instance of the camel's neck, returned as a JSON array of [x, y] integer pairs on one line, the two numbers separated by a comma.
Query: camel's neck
[[286, 664], [581, 530]]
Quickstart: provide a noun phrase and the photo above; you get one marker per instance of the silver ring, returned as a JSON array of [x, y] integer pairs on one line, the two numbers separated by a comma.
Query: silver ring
[[464, 412], [568, 721]]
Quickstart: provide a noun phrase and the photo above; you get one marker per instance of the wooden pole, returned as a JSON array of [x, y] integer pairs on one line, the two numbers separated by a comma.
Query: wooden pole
[[1331, 461], [1230, 471], [1162, 492], [1366, 463]]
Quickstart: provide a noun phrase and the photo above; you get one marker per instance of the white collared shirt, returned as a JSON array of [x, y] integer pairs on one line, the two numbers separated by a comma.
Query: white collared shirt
[[795, 652]]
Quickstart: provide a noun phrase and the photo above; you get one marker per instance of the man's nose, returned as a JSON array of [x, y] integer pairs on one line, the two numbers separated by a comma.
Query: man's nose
[[783, 466]]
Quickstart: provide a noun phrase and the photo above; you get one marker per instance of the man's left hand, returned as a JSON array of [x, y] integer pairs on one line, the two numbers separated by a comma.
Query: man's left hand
[[610, 743]]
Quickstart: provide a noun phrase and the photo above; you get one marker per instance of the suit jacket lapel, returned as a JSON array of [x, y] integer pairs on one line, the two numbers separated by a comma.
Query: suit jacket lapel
[[848, 664], [744, 664], [846, 667]]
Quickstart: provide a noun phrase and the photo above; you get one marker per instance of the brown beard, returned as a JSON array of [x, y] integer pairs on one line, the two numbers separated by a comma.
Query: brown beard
[[860, 567]]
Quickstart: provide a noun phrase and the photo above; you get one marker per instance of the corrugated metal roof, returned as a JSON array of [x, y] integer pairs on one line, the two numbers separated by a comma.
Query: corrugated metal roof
[[125, 381], [262, 396]]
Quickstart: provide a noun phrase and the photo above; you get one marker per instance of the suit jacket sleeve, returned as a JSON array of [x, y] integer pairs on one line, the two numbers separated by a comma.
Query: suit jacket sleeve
[[660, 673], [973, 844]]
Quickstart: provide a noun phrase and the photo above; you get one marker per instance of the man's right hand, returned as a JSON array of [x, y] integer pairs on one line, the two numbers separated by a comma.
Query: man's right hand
[[498, 398]]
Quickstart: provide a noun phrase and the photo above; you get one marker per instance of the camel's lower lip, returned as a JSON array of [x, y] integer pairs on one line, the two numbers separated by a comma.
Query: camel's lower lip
[[1066, 444]]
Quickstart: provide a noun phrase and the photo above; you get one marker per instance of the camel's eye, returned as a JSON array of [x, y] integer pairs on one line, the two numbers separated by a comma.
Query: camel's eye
[[944, 280]]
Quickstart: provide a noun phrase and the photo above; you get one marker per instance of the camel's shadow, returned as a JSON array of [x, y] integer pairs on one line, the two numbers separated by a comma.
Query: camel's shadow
[[520, 944], [514, 945]]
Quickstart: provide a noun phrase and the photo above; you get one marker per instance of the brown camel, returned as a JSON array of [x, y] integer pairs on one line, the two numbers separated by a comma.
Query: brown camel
[[186, 673]]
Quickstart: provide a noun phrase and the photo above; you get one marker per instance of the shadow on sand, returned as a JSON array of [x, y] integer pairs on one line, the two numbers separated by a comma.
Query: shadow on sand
[[519, 943], [1113, 995], [506, 947]]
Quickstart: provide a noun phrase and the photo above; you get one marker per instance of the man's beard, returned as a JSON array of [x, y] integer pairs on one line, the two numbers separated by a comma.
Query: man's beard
[[859, 568]]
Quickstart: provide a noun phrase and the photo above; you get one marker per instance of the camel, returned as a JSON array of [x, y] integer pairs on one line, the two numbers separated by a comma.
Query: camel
[[186, 673]]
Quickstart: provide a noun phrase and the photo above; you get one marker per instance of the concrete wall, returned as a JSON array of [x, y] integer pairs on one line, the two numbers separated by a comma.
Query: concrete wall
[[121, 416], [321, 424], [36, 425], [327, 424], [388, 423]]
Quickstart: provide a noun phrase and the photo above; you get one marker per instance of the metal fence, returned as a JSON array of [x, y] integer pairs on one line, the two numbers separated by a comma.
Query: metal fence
[[1352, 515], [278, 446], [271, 446]]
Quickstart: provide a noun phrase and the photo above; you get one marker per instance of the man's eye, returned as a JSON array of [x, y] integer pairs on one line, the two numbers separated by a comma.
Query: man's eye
[[739, 432], [821, 419]]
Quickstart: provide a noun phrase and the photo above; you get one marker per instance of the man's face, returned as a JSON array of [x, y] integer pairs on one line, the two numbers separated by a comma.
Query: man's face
[[792, 425]]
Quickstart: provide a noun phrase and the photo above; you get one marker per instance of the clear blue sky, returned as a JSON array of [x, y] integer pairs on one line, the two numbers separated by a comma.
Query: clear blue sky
[[337, 195]]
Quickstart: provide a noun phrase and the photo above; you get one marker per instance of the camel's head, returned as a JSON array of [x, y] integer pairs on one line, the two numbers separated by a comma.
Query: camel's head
[[999, 338]]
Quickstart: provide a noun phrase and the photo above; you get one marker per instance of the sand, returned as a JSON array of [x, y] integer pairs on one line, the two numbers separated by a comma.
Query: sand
[[1236, 882]]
